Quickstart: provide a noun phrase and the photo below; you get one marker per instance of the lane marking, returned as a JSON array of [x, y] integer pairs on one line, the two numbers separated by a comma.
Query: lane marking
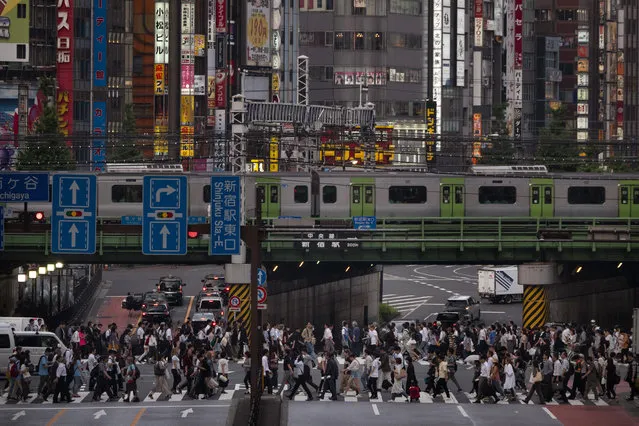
[[138, 416], [375, 410], [119, 407], [550, 414], [56, 417], [462, 411], [188, 310], [493, 312]]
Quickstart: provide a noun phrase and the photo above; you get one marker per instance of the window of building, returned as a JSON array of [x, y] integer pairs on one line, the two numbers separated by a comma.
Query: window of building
[[528, 92], [300, 194], [567, 68], [129, 193], [206, 194], [316, 38], [586, 195], [497, 195], [405, 40], [343, 41], [138, 65], [407, 194], [566, 14], [543, 15], [582, 15], [22, 11], [360, 43], [329, 194], [406, 7], [328, 38], [371, 8], [21, 51], [375, 41]]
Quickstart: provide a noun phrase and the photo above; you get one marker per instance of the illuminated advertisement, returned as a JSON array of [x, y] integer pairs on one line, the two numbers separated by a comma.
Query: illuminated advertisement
[[274, 154], [200, 44], [188, 79], [438, 26], [187, 110], [161, 32], [220, 89], [99, 43], [160, 142], [220, 16], [620, 90], [187, 146], [210, 101], [14, 30], [460, 54], [477, 132], [583, 68], [258, 34], [160, 79], [64, 98], [98, 149], [431, 131], [479, 23]]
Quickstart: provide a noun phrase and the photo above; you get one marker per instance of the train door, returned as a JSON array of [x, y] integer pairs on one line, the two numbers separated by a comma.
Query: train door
[[362, 197], [268, 192], [629, 199], [542, 196], [452, 197]]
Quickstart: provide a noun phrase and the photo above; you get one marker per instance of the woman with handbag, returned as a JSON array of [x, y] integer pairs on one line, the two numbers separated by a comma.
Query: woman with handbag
[[535, 385]]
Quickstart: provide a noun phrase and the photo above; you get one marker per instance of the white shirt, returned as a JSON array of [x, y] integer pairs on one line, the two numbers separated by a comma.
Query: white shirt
[[375, 368], [91, 362], [485, 370], [482, 335], [372, 335], [566, 336], [354, 365], [424, 333], [175, 360], [140, 333], [223, 366], [558, 369], [328, 334], [169, 335], [61, 371], [68, 356], [152, 340], [265, 364], [75, 338]]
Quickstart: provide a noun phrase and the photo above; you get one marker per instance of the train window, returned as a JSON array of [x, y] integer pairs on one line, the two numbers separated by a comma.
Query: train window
[[635, 196], [368, 195], [407, 194], [497, 195], [206, 193], [300, 194], [446, 194], [126, 193], [274, 194], [535, 195], [624, 195], [459, 196], [356, 195], [547, 195], [329, 194], [586, 195]]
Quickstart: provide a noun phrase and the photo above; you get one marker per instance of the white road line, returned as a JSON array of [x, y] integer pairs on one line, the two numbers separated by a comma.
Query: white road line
[[375, 409], [406, 296], [493, 312], [433, 304], [389, 294], [406, 304], [550, 414], [462, 411]]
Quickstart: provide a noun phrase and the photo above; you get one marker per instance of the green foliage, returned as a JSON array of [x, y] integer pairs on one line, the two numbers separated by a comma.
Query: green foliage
[[499, 126], [125, 148], [556, 147], [499, 150], [387, 312]]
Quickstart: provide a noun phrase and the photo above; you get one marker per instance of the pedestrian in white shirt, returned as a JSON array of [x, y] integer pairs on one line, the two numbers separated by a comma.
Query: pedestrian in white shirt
[[266, 372], [329, 347]]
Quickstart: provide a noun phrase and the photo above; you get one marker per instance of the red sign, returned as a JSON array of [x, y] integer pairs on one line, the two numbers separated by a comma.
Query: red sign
[[64, 98], [220, 89], [261, 294], [220, 16], [519, 33], [479, 8]]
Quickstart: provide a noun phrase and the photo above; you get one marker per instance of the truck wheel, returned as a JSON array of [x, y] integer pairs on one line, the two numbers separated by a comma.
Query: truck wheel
[[508, 300]]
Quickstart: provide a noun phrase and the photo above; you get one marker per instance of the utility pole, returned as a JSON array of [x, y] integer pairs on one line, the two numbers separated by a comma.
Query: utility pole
[[175, 61]]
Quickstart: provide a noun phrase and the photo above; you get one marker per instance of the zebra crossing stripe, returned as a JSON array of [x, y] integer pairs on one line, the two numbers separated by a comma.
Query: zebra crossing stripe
[[425, 398]]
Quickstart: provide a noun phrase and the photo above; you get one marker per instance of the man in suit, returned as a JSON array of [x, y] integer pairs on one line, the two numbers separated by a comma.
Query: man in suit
[[332, 374]]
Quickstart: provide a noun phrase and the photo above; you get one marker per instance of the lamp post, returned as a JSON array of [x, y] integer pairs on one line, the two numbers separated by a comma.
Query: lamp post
[[33, 275], [59, 266], [22, 278], [42, 271], [50, 268]]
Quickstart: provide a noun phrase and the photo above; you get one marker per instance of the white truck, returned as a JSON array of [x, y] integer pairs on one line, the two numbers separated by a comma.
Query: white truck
[[500, 285]]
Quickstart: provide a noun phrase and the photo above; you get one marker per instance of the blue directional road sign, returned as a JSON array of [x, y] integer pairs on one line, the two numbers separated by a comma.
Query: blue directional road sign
[[1, 228], [24, 187], [164, 216], [364, 222], [261, 277], [73, 216], [225, 215]]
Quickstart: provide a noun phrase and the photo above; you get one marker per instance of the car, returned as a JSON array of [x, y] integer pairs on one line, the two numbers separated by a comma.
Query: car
[[157, 313], [210, 302], [467, 306], [152, 297], [172, 288], [201, 319], [448, 319], [215, 283]]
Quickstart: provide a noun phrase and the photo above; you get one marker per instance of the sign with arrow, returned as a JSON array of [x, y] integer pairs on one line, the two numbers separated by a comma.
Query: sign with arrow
[[73, 214], [165, 215], [99, 414], [17, 415], [185, 413]]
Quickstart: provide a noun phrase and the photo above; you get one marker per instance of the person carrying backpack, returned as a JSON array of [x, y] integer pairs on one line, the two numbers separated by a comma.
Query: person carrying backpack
[[131, 376], [451, 362]]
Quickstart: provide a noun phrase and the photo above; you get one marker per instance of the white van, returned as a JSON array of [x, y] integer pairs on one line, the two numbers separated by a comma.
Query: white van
[[33, 341], [19, 323]]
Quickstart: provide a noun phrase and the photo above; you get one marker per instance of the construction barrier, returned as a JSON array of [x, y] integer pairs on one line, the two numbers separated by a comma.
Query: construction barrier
[[535, 306]]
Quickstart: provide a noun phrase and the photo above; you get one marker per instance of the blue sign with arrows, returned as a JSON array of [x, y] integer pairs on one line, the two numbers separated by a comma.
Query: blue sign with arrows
[[261, 277], [74, 214], [165, 215]]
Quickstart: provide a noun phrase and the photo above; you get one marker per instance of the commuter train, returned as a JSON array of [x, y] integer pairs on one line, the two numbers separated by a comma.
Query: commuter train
[[341, 195]]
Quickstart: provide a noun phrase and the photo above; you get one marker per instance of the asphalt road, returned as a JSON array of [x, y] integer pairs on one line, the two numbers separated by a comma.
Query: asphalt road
[[418, 292]]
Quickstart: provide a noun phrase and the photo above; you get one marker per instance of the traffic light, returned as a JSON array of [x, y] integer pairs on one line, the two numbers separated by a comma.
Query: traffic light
[[73, 213], [164, 215], [38, 216], [192, 234]]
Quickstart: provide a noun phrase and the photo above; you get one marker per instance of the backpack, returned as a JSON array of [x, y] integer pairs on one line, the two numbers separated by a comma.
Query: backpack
[[14, 370], [53, 368], [136, 374]]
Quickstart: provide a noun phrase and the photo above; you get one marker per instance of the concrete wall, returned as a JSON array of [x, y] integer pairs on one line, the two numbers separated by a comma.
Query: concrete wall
[[356, 298], [608, 301], [8, 293]]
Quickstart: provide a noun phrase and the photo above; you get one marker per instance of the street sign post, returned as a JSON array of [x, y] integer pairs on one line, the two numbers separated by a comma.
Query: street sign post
[[24, 187], [164, 215], [1, 228], [73, 214], [235, 304], [364, 222], [225, 215], [261, 298], [261, 277]]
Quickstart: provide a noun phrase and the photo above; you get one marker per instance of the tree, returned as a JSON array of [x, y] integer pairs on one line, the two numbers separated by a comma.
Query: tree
[[125, 148], [47, 149], [557, 148], [500, 150]]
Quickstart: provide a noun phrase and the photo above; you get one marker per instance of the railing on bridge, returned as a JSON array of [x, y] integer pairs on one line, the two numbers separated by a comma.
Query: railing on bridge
[[487, 240], [308, 115]]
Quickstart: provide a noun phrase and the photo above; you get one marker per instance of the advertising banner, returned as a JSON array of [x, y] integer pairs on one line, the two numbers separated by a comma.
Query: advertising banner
[[99, 43], [188, 17], [161, 32], [199, 88], [200, 44], [64, 98], [160, 142], [160, 79], [431, 131], [220, 89], [187, 109], [187, 145], [258, 34], [188, 79], [479, 23], [98, 146], [220, 16], [14, 30], [519, 33]]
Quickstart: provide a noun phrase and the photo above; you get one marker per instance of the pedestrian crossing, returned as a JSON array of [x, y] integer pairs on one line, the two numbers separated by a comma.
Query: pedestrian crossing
[[405, 303], [238, 391]]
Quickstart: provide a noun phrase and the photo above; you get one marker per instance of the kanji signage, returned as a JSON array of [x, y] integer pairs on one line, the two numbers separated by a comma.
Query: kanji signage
[[159, 87], [327, 241], [99, 43], [64, 61], [98, 149]]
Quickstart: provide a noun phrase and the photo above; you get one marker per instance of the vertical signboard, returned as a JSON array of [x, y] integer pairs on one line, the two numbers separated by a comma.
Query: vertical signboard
[[161, 58], [477, 134], [187, 129], [64, 97], [161, 32], [98, 150], [160, 80], [479, 23], [438, 25], [99, 43], [225, 215], [518, 64], [583, 74], [220, 16], [510, 64], [499, 17], [14, 30], [460, 53], [431, 133], [258, 33]]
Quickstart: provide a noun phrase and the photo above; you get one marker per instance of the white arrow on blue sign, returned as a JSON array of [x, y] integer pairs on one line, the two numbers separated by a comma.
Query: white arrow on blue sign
[[73, 214], [261, 277], [165, 215]]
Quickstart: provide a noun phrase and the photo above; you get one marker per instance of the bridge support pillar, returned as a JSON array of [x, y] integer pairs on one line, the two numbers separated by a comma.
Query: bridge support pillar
[[534, 277]]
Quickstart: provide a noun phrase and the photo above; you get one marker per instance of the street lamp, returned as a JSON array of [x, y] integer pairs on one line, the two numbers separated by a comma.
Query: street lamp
[[42, 271], [22, 277], [33, 274], [50, 268], [59, 266]]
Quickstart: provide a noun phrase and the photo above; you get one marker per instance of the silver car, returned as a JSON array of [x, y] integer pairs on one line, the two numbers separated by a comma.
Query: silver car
[[467, 306]]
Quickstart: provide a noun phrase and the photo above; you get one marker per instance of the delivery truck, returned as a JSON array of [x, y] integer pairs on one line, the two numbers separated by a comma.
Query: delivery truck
[[500, 285]]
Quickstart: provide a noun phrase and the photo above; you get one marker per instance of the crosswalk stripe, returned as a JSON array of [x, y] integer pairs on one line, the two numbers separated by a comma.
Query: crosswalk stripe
[[425, 398], [397, 298], [155, 395], [81, 398], [575, 402], [228, 395]]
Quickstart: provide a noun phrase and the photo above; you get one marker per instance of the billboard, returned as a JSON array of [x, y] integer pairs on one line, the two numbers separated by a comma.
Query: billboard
[[99, 43], [460, 53], [220, 16], [64, 67], [98, 146], [258, 34], [431, 131], [220, 89], [479, 23], [160, 80], [14, 30], [438, 26], [161, 32]]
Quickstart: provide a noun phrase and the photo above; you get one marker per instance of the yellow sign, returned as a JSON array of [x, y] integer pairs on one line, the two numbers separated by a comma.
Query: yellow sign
[[160, 143], [274, 154], [275, 83], [582, 65], [187, 110], [257, 166], [159, 79], [200, 43], [187, 143], [257, 29]]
